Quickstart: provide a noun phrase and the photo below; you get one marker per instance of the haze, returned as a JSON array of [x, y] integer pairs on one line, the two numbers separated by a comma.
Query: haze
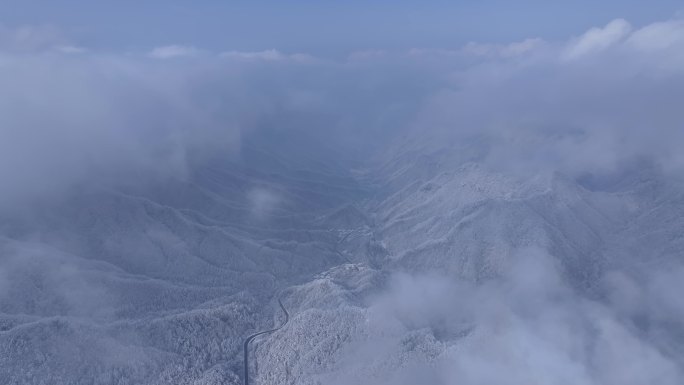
[[359, 193]]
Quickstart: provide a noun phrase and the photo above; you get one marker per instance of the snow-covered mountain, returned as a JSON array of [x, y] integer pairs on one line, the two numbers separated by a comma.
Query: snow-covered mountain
[[161, 283], [400, 271], [491, 277], [490, 214]]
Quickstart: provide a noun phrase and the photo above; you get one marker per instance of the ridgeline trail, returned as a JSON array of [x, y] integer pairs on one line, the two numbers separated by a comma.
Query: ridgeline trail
[[253, 336]]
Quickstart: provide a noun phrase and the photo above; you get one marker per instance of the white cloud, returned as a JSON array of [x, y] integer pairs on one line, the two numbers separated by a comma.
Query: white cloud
[[68, 120], [542, 114], [597, 39], [659, 36], [528, 326], [270, 55], [263, 202], [172, 51], [304, 58], [90, 119], [503, 50], [267, 55], [594, 113]]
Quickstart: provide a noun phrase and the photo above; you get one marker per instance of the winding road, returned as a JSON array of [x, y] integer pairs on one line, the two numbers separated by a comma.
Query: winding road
[[253, 336], [249, 339]]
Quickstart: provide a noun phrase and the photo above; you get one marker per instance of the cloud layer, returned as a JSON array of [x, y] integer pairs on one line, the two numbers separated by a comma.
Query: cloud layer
[[605, 96], [71, 118], [528, 327]]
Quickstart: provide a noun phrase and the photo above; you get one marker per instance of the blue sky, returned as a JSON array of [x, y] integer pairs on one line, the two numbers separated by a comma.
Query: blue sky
[[323, 26]]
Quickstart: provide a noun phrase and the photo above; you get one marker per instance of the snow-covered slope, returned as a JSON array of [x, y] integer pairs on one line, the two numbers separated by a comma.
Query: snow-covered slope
[[426, 266], [477, 273], [160, 282]]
